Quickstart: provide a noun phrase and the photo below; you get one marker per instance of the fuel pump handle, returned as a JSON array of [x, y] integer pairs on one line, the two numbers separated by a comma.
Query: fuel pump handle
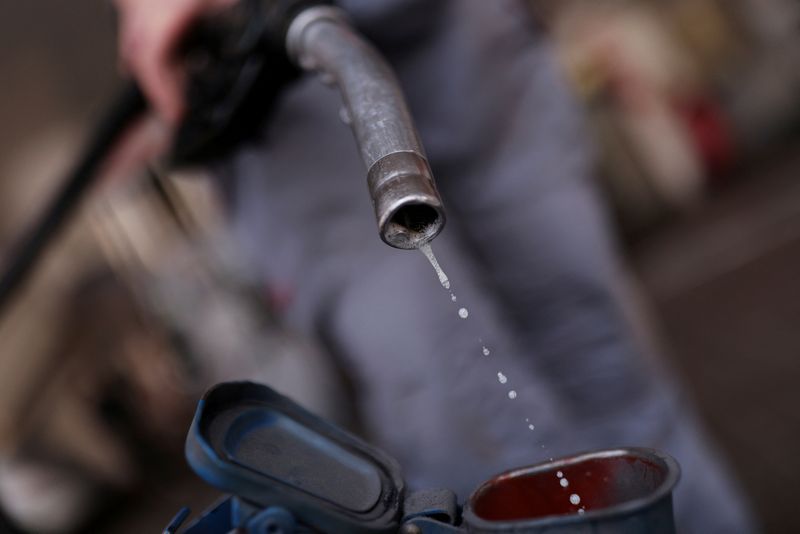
[[237, 66]]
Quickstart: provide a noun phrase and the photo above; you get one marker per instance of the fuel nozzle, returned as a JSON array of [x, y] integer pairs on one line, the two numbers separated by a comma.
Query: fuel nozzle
[[245, 58], [407, 205]]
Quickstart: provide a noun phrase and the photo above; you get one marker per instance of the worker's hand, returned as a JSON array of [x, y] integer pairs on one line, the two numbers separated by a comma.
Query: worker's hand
[[150, 33]]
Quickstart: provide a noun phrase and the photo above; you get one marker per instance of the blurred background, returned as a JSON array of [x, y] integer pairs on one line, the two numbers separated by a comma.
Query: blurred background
[[695, 109]]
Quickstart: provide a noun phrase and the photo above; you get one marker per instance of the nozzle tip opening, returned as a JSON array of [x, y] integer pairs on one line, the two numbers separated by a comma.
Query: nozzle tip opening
[[407, 205], [413, 225]]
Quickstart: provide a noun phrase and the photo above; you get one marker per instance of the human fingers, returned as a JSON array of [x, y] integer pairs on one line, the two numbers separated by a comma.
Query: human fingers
[[151, 32]]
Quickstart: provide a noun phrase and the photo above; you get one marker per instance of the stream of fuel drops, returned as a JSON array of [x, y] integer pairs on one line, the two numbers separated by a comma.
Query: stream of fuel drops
[[463, 313]]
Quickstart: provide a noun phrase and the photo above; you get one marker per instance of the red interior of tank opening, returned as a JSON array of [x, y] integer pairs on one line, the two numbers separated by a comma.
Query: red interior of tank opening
[[597, 481]]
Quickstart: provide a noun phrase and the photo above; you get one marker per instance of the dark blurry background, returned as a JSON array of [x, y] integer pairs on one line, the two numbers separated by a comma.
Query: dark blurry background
[[695, 107]]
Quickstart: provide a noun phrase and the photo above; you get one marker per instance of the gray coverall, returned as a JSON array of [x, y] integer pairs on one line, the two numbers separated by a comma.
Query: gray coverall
[[527, 249]]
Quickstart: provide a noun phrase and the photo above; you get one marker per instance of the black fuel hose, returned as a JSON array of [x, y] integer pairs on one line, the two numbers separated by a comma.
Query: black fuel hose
[[23, 258]]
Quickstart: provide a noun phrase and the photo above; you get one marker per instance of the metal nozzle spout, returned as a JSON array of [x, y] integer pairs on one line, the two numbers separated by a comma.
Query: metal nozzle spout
[[407, 205]]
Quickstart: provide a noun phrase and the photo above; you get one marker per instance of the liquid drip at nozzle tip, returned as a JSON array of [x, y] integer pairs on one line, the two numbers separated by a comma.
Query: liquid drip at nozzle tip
[[428, 252]]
